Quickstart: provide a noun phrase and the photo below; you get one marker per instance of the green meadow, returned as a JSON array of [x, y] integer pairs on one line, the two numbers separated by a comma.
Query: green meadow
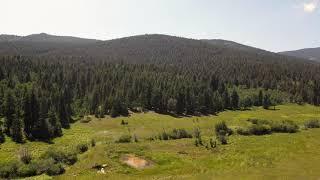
[[274, 156]]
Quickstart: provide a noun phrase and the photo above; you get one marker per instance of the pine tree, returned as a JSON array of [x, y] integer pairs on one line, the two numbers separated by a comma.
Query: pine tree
[[226, 100], [9, 111], [235, 99], [260, 98], [180, 104], [16, 129], [266, 102]]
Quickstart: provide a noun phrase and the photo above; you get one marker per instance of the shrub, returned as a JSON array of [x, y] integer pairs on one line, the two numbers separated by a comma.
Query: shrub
[[179, 134], [93, 143], [60, 157], [243, 131], [221, 128], [285, 127], [27, 170], [312, 123], [124, 139], [42, 165], [135, 138], [81, 148], [259, 121], [164, 135], [223, 139], [123, 123], [55, 169], [8, 170], [259, 129], [213, 143], [24, 155], [197, 135]]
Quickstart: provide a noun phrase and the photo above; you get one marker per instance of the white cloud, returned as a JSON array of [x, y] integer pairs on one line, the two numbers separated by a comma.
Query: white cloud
[[310, 7]]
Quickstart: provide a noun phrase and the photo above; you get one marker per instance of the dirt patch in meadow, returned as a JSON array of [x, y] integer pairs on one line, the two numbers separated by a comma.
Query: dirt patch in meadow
[[136, 162]]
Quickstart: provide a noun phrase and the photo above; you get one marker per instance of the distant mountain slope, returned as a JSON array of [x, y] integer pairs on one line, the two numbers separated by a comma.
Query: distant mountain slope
[[153, 48], [235, 45], [36, 44], [310, 53], [157, 48]]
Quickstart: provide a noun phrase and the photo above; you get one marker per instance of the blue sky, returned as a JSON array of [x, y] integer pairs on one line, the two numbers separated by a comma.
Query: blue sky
[[274, 25]]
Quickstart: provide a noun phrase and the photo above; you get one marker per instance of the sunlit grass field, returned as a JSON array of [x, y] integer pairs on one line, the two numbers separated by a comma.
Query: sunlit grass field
[[275, 156]]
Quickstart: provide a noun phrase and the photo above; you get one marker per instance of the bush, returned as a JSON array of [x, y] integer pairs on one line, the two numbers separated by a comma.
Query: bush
[[124, 139], [260, 129], [243, 131], [55, 169], [221, 128], [285, 127], [135, 138], [93, 143], [197, 135], [164, 135], [312, 124], [70, 159], [179, 134], [123, 123], [8, 170], [223, 139], [24, 155], [81, 148], [259, 121], [60, 157], [27, 170], [42, 165]]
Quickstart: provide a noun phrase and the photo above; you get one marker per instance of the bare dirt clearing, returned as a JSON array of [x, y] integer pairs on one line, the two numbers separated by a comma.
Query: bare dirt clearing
[[136, 162]]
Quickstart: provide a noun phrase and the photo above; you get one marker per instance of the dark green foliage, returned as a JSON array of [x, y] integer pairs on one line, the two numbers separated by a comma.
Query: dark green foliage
[[222, 131], [262, 127], [174, 134], [55, 169], [222, 139], [93, 142], [314, 123], [163, 135], [284, 127], [8, 170], [27, 170], [198, 137], [81, 148], [213, 143], [25, 155], [179, 76], [123, 123], [221, 128], [135, 138], [179, 134], [266, 101], [9, 112], [60, 157], [124, 139], [235, 99]]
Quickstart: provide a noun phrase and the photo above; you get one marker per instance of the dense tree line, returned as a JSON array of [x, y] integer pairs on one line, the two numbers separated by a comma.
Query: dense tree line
[[40, 95]]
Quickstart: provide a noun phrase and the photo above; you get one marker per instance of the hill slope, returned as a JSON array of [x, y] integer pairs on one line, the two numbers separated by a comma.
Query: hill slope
[[37, 44], [310, 53]]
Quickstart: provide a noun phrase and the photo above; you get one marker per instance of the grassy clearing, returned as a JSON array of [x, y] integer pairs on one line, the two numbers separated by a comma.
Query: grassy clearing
[[294, 156]]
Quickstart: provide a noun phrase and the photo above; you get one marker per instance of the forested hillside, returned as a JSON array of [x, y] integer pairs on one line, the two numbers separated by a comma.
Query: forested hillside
[[310, 54], [44, 92]]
